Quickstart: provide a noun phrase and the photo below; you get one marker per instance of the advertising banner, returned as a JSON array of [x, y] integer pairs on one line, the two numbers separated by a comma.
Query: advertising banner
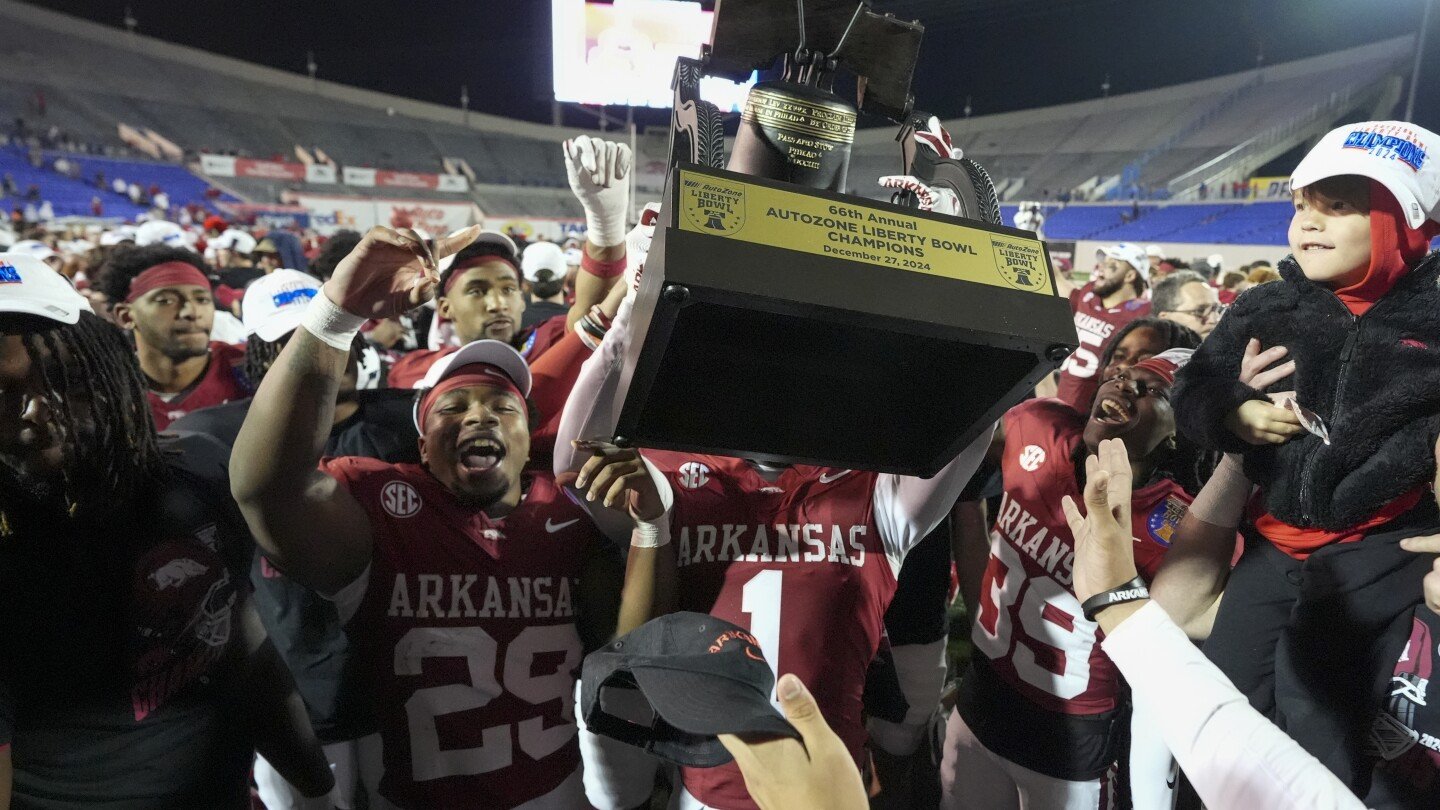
[[533, 228], [355, 176], [320, 173]]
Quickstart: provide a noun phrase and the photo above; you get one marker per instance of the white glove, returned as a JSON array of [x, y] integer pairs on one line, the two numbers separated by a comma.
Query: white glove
[[937, 200], [637, 245], [599, 176], [937, 138]]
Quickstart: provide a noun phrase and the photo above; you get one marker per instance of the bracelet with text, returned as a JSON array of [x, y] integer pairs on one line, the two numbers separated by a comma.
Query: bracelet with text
[[1132, 591]]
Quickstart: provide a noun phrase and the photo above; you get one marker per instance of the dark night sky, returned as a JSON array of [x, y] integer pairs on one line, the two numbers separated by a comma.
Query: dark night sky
[[1006, 54]]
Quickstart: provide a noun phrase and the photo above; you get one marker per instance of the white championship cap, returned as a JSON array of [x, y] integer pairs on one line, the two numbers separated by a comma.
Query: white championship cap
[[1399, 156], [491, 352], [234, 240], [158, 231], [543, 256], [34, 247], [29, 286], [1155, 250], [275, 304], [1128, 253]]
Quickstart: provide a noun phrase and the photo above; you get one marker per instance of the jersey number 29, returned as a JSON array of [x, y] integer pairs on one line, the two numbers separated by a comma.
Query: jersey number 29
[[480, 651]]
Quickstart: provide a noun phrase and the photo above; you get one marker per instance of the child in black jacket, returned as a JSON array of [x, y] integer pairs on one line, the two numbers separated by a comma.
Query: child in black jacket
[[1346, 452]]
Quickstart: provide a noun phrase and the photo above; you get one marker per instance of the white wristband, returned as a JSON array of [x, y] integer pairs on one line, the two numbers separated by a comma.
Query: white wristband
[[605, 228], [326, 320], [649, 534]]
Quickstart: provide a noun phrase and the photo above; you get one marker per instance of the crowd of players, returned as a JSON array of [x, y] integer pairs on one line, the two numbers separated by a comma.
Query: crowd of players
[[335, 522]]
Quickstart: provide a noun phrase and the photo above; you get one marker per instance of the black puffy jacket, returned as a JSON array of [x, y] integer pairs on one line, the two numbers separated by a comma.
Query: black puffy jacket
[[1375, 380]]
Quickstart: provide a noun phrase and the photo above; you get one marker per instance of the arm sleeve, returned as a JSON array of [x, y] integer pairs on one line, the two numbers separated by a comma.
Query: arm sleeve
[[1208, 389], [908, 508], [593, 406], [591, 411], [1232, 754]]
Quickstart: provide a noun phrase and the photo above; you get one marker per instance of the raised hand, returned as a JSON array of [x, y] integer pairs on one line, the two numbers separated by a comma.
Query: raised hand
[[617, 478], [1104, 548], [391, 272], [599, 173]]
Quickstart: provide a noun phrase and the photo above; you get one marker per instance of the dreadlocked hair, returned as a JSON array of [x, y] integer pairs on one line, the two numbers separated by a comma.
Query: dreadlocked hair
[[115, 457], [127, 262], [260, 355], [1187, 464], [1172, 334]]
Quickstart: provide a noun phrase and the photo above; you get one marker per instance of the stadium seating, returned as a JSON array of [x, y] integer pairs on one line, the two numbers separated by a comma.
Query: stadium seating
[[1239, 223], [67, 196]]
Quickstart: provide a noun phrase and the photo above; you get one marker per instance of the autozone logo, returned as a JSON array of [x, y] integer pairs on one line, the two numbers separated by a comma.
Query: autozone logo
[[399, 499]]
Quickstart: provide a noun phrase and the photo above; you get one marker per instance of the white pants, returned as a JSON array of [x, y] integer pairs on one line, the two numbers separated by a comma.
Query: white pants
[[345, 764], [921, 670], [617, 776], [973, 778]]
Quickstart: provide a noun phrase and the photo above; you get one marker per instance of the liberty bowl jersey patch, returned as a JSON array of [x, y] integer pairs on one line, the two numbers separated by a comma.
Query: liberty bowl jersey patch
[[1164, 519]]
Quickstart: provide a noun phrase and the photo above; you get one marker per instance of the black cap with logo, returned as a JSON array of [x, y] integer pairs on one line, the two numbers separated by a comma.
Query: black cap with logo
[[700, 675]]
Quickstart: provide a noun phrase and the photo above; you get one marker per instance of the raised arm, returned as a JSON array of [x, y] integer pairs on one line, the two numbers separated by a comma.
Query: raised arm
[[1232, 754], [599, 174], [1192, 577], [908, 508], [593, 409], [305, 521]]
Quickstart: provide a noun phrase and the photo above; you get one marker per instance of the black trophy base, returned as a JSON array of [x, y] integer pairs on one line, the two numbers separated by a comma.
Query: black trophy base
[[790, 383]]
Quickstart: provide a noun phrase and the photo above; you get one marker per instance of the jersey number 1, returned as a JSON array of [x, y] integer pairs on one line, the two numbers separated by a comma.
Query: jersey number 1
[[761, 599]]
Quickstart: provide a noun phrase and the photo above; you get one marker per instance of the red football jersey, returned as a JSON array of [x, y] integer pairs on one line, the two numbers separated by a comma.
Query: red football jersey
[[1095, 324], [800, 563], [223, 381], [412, 366], [1029, 624], [467, 632]]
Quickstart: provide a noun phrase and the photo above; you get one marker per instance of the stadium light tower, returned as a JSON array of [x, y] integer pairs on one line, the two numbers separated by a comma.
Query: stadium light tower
[[311, 68], [1419, 54], [465, 101], [130, 22], [1105, 87]]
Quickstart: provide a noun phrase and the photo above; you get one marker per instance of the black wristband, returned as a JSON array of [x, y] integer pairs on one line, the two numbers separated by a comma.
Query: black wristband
[[1132, 591]]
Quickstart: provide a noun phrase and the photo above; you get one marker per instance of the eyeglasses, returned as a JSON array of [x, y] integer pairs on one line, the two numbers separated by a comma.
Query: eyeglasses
[[1203, 313]]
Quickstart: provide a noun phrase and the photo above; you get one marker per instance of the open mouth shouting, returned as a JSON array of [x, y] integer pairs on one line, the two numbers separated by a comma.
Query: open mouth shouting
[[481, 453], [1113, 408]]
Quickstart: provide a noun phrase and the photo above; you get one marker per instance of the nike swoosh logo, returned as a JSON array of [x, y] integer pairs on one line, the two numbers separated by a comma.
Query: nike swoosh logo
[[826, 478], [555, 527]]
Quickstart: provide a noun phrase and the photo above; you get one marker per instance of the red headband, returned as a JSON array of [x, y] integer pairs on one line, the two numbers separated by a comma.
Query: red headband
[[168, 274], [1164, 369], [476, 261], [471, 374]]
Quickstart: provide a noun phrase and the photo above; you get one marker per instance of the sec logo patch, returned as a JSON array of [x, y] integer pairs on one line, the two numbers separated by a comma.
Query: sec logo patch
[[399, 499], [1032, 457], [692, 475], [1164, 519]]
